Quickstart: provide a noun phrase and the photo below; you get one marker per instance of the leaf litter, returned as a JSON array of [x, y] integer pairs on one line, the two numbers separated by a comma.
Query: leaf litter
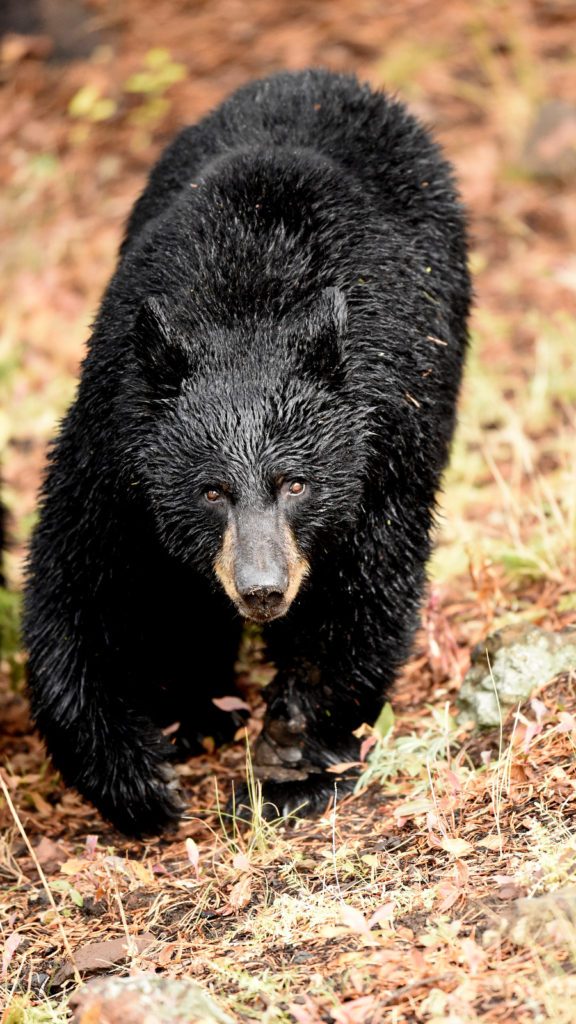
[[445, 893]]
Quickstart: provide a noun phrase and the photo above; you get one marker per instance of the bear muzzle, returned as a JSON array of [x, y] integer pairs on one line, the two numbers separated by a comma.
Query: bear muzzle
[[259, 564]]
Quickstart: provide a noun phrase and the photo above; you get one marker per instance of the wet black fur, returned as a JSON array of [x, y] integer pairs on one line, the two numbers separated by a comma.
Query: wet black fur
[[281, 285]]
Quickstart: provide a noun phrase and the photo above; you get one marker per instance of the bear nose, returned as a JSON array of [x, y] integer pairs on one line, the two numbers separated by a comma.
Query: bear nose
[[262, 601]]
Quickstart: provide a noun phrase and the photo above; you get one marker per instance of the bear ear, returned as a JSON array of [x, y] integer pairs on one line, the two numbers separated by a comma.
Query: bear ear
[[162, 359], [321, 347]]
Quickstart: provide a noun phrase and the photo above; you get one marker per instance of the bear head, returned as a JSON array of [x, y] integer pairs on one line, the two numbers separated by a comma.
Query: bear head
[[248, 441]]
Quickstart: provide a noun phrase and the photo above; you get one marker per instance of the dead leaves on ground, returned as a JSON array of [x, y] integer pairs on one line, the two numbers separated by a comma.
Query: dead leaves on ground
[[400, 905], [407, 889]]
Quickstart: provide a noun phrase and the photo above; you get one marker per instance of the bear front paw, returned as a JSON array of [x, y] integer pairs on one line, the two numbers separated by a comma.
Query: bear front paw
[[288, 795], [141, 806]]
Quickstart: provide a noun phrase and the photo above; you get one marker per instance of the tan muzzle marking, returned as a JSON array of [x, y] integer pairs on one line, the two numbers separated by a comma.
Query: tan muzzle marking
[[224, 564], [224, 567], [298, 567]]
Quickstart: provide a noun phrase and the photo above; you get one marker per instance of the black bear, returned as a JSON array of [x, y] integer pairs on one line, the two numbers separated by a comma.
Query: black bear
[[262, 421]]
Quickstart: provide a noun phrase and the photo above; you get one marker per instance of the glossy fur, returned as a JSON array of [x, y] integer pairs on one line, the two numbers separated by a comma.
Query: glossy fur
[[290, 303]]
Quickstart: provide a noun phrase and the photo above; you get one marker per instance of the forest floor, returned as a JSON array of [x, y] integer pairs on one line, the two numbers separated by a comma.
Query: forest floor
[[430, 897]]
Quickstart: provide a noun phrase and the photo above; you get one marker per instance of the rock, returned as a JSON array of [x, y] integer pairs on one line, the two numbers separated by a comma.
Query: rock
[[550, 917], [145, 999], [508, 666]]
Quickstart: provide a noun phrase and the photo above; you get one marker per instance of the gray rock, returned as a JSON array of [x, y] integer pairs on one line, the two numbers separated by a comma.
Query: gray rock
[[537, 919], [508, 666], [145, 997]]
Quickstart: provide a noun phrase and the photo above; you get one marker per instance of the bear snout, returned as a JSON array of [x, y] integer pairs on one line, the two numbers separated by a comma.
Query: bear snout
[[259, 564], [263, 603]]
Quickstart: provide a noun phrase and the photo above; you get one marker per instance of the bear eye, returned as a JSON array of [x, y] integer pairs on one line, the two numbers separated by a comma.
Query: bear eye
[[297, 487], [294, 488], [213, 494]]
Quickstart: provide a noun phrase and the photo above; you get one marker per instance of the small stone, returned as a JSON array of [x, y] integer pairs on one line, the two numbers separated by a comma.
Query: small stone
[[508, 666]]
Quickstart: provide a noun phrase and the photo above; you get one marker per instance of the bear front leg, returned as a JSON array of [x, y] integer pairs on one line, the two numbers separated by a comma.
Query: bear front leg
[[88, 696], [296, 748], [101, 745], [337, 653], [117, 760], [303, 736]]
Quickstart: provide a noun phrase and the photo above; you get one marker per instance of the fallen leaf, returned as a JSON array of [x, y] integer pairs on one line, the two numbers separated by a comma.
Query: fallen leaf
[[167, 952], [457, 847], [91, 844], [539, 709], [241, 863], [449, 894], [73, 866], [413, 808], [50, 855], [492, 842], [354, 920], [473, 954], [97, 956], [566, 722], [10, 947], [239, 895], [383, 913], [231, 704], [354, 1011], [343, 766], [461, 873], [306, 1014], [45, 810], [367, 745], [142, 873], [532, 729], [193, 854]]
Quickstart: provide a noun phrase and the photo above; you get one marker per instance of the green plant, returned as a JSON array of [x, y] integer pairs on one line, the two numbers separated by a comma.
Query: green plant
[[10, 605], [20, 1010], [392, 755], [160, 73], [89, 105]]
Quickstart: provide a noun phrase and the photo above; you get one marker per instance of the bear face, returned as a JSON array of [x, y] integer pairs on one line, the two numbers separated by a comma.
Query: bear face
[[247, 472]]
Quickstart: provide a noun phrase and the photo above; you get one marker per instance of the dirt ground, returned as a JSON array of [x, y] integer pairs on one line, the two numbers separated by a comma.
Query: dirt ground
[[406, 902]]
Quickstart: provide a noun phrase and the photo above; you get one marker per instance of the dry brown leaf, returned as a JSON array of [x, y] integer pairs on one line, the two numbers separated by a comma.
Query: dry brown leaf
[[354, 920], [50, 855], [74, 866], [493, 842], [239, 895], [449, 894], [96, 956], [193, 854], [343, 766], [10, 947], [414, 808], [240, 862], [142, 873], [456, 846], [45, 810]]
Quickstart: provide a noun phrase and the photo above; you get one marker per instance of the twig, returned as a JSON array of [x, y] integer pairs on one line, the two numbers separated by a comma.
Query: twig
[[131, 947], [334, 840], [42, 876]]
